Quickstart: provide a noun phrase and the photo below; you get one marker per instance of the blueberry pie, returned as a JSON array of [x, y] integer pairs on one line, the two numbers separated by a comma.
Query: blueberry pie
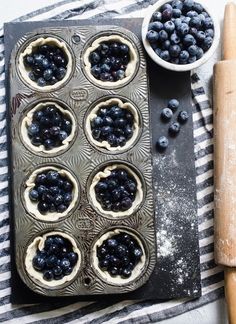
[[45, 64], [51, 193], [48, 128], [116, 191], [118, 256], [53, 259], [113, 125], [110, 61]]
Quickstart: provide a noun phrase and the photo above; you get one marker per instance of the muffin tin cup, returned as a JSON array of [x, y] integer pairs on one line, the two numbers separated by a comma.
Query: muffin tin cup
[[37, 276], [131, 68], [85, 223], [103, 173], [108, 102], [27, 120], [140, 267], [31, 206]]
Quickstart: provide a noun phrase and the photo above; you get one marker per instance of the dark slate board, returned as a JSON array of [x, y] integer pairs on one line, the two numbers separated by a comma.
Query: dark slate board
[[177, 272]]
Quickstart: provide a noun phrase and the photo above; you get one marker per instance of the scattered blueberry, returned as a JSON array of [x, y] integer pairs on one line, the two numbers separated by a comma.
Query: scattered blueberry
[[119, 255], [162, 143], [52, 261], [166, 114], [117, 191], [52, 191], [47, 65], [173, 104], [183, 116], [178, 28], [174, 129]]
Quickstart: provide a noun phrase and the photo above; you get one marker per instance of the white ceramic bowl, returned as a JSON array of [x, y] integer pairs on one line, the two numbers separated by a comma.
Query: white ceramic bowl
[[179, 67]]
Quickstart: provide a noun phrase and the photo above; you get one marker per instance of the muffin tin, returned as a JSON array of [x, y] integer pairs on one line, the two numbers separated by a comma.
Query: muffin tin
[[85, 223]]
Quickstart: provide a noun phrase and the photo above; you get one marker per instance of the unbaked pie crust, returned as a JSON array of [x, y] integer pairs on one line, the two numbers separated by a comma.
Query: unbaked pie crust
[[109, 103], [38, 244], [104, 174], [117, 280], [131, 66], [24, 70], [27, 121], [32, 206]]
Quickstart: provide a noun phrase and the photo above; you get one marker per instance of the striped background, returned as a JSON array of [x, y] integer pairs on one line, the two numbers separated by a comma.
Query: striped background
[[126, 311]]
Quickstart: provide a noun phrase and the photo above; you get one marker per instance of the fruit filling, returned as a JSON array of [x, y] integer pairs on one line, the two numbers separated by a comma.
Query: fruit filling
[[49, 127], [52, 192], [46, 65], [57, 258], [116, 192], [109, 61], [181, 31], [119, 255], [113, 124]]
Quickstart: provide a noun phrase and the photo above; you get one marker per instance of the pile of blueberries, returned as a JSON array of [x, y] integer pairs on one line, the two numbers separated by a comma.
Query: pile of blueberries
[[109, 61], [56, 259], [49, 127], [119, 255], [47, 64], [52, 192], [113, 125], [174, 128], [116, 192], [181, 31]]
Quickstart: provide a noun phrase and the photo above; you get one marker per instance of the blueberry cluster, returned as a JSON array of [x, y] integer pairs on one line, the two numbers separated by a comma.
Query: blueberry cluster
[[181, 31], [56, 259], [116, 192], [52, 192], [113, 125], [174, 128], [119, 255], [49, 127], [109, 61], [47, 64]]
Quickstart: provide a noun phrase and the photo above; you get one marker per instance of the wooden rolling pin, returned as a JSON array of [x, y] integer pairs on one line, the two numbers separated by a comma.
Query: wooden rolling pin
[[225, 159]]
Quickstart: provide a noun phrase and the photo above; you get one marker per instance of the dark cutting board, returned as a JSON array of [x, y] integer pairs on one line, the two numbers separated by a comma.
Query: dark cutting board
[[177, 271]]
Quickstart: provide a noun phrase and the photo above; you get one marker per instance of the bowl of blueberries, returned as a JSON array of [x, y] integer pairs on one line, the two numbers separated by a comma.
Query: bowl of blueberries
[[180, 35]]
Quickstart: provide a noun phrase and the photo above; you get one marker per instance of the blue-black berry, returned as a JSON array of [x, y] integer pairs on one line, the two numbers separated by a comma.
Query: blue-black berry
[[183, 116], [162, 143], [174, 129]]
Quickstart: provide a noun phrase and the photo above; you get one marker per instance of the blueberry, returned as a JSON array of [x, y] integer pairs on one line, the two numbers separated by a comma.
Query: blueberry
[[193, 31], [62, 135], [174, 128], [112, 243], [122, 175], [192, 59], [67, 197], [192, 13], [166, 114], [177, 22], [169, 26], [104, 264], [182, 29], [131, 186], [47, 198], [113, 271], [67, 271], [120, 74], [43, 207], [198, 7], [126, 273], [73, 258], [124, 49], [112, 140], [195, 22], [115, 48], [121, 250], [47, 74], [54, 130], [39, 263], [207, 43], [53, 249], [37, 72], [33, 129], [157, 16], [41, 82], [48, 275], [137, 253], [163, 36], [162, 143], [96, 71], [101, 186], [209, 33], [115, 195], [129, 117], [45, 121], [58, 200], [183, 116], [188, 5], [66, 126], [174, 60], [32, 76], [177, 4], [189, 40], [104, 76], [176, 13], [174, 50], [60, 73], [52, 177], [167, 14], [126, 203], [51, 261], [38, 58], [65, 264], [48, 242], [94, 58], [96, 133], [165, 55], [49, 144], [199, 53], [156, 26], [59, 61], [106, 130], [45, 64], [36, 140], [166, 45], [166, 6], [174, 39], [29, 60], [200, 36], [183, 57], [57, 270], [173, 104], [193, 50], [208, 23], [128, 131]]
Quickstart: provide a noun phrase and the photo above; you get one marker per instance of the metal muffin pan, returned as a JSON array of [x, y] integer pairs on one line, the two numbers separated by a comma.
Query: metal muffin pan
[[84, 223]]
